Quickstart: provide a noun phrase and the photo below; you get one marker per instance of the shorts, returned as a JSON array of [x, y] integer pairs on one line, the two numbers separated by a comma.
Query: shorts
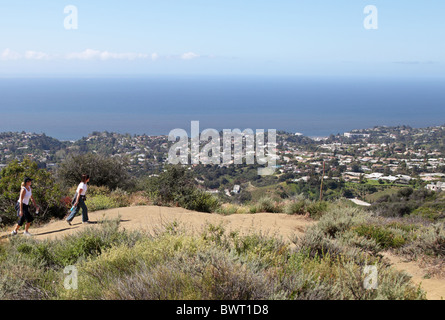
[[26, 215]]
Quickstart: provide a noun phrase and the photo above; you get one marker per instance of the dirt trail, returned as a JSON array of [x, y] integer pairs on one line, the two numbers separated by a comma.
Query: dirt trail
[[152, 218], [434, 287]]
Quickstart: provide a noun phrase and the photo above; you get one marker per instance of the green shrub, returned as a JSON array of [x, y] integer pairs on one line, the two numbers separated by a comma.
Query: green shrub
[[95, 190], [121, 197], [117, 264], [111, 172], [198, 200], [170, 186], [80, 247], [432, 213], [391, 284], [338, 220], [384, 236], [253, 209], [267, 204], [353, 239], [46, 191], [315, 243], [430, 241], [317, 208], [100, 202], [296, 207], [227, 209]]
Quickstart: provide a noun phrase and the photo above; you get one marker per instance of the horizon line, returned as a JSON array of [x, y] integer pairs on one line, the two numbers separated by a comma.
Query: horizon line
[[220, 131]]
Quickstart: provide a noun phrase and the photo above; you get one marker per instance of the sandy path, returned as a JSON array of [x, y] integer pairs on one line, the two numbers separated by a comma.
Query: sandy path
[[152, 218], [434, 287]]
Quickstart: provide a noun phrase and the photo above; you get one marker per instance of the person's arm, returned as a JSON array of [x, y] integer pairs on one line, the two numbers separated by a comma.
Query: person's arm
[[78, 197], [34, 202], [22, 194]]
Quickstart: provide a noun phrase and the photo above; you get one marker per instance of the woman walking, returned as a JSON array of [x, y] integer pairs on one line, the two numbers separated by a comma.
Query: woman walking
[[22, 207], [79, 201]]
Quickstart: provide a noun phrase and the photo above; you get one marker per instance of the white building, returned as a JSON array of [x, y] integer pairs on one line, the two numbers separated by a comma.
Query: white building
[[356, 135], [438, 186], [374, 176]]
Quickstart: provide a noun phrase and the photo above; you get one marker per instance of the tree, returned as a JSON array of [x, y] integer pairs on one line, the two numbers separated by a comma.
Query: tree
[[104, 171], [176, 186], [355, 167], [47, 193], [170, 184]]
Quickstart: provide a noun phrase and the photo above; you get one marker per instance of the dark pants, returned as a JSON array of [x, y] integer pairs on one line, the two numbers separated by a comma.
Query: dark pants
[[26, 215], [84, 208]]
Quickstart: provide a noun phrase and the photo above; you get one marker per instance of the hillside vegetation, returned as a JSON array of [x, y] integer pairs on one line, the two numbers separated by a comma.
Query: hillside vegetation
[[327, 263]]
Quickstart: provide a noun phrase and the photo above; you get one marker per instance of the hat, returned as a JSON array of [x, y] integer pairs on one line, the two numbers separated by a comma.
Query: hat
[[27, 179]]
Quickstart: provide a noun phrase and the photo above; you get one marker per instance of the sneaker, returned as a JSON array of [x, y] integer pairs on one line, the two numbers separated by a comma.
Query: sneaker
[[13, 233], [69, 222], [86, 222], [26, 233]]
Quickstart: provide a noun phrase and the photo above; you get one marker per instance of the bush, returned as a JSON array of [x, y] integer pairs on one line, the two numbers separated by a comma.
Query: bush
[[121, 198], [94, 190], [198, 200], [171, 185], [352, 239], [138, 198], [104, 171], [315, 243], [338, 220], [253, 209], [117, 264], [392, 285], [316, 209], [408, 201], [175, 186], [385, 237], [228, 209], [267, 204], [296, 207], [430, 241], [100, 202], [47, 193]]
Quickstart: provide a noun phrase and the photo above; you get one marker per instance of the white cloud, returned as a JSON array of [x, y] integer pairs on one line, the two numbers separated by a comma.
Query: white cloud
[[90, 54], [189, 56], [7, 54], [122, 56], [34, 55], [154, 56]]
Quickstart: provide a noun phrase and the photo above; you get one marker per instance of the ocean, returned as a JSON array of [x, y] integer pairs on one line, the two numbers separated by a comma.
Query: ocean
[[71, 108]]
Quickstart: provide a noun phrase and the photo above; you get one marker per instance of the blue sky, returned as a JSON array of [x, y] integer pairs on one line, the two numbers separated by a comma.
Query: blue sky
[[286, 37]]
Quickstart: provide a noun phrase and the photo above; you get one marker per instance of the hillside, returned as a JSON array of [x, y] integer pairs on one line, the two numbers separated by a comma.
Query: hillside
[[153, 219]]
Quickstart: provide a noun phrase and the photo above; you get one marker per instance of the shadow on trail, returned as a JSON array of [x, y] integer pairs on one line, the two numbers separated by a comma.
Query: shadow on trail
[[73, 226], [55, 231]]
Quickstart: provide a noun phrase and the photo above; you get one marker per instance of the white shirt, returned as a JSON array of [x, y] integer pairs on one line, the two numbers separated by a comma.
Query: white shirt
[[84, 188], [27, 196]]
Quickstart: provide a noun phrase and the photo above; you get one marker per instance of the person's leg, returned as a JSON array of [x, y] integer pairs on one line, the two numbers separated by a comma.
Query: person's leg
[[21, 220], [73, 214], [28, 218], [84, 211]]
